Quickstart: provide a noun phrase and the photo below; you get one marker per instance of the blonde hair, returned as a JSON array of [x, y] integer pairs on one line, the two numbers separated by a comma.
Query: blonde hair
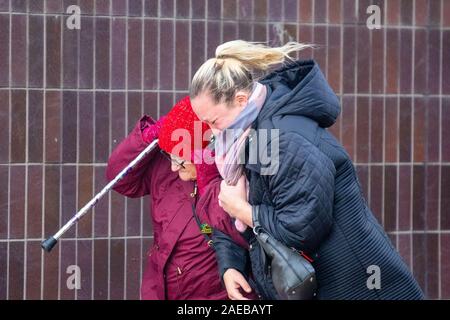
[[235, 66]]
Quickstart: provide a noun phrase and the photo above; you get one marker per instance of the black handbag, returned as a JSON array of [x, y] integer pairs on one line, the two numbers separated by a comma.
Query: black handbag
[[293, 276]]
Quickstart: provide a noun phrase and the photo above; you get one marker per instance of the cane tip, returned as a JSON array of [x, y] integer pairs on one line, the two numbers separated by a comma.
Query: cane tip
[[48, 244]]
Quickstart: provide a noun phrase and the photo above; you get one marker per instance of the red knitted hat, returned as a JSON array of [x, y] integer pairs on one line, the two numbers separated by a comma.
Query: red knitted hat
[[182, 132]]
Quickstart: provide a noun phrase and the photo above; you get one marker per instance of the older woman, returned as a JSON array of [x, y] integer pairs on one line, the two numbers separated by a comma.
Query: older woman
[[181, 263]]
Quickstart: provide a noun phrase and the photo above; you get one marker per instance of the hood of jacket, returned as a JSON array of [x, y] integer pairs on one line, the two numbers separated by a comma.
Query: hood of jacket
[[300, 88]]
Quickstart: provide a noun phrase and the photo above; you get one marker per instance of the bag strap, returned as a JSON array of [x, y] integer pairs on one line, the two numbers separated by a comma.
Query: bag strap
[[255, 217], [208, 238]]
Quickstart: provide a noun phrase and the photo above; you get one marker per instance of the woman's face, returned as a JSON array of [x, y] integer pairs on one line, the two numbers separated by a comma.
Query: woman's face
[[218, 116]]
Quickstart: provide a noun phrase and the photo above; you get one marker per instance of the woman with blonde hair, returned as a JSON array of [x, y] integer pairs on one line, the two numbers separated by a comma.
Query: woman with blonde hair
[[310, 198]]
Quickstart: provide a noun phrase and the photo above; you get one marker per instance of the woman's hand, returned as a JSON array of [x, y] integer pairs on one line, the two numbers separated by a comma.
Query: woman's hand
[[152, 132], [233, 199], [233, 281]]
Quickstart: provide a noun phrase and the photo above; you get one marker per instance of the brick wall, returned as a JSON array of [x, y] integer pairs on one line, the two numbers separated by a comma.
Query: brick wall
[[68, 97]]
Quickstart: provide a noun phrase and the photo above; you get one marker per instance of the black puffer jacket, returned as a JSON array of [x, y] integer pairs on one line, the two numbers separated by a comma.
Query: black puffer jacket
[[314, 201]]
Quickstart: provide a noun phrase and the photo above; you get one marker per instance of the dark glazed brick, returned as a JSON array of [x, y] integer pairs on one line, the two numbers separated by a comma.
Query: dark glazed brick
[[84, 261], [392, 61], [85, 194], [362, 129], [445, 197], [3, 266], [420, 62], [19, 6], [183, 8], [214, 9], [17, 202], [4, 131], [182, 55], [151, 54], [406, 12], [197, 45], [53, 51], [421, 12], [117, 257], [335, 11], [118, 53], [86, 47], [229, 9], [4, 50], [87, 6], [320, 11], [275, 13], [445, 62], [69, 127], [445, 129], [18, 50], [419, 129], [391, 130], [418, 198], [376, 135], [134, 54], [406, 50], [404, 199], [434, 64], [133, 268], [101, 127], [198, 9], [70, 58], [53, 6], [245, 10], [36, 50], [166, 55], [68, 197], [51, 200], [18, 125], [101, 217], [166, 7], [378, 75], [349, 52], [290, 10], [119, 7], [86, 126], [305, 11], [34, 204], [102, 7], [4, 197], [102, 44], [16, 267], [432, 196], [390, 198], [405, 129], [100, 270], [33, 273], [35, 125], [53, 127]]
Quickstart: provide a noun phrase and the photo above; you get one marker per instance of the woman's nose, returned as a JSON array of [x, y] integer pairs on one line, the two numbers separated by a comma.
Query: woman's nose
[[174, 167]]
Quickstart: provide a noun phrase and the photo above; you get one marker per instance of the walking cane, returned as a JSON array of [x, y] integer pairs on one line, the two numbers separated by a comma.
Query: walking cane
[[50, 242]]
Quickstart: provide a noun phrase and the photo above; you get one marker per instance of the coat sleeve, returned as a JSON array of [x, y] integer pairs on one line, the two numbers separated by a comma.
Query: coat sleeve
[[135, 183], [229, 254], [301, 193]]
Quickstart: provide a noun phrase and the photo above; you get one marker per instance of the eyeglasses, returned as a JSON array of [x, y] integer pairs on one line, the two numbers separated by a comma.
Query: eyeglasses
[[177, 162]]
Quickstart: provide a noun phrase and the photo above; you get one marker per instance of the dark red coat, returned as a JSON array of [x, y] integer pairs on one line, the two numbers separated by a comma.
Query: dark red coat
[[180, 264]]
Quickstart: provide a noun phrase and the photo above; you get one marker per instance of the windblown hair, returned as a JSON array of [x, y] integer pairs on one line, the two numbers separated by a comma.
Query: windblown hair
[[235, 66]]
